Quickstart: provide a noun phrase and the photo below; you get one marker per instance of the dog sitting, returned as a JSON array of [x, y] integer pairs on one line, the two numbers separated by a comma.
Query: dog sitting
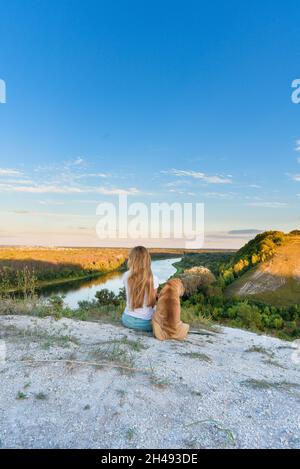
[[166, 320]]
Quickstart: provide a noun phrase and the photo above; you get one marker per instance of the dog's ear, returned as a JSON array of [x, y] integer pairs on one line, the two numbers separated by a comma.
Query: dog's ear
[[179, 285]]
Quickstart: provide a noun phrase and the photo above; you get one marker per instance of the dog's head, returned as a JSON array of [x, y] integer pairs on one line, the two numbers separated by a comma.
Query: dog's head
[[177, 284]]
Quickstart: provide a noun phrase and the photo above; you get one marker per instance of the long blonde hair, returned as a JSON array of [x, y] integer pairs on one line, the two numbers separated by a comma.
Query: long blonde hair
[[140, 280]]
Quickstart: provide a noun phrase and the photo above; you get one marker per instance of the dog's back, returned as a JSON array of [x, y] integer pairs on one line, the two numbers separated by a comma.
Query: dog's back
[[166, 319]]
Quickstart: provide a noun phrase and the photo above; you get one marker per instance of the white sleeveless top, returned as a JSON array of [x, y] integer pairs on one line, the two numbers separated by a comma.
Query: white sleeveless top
[[146, 312]]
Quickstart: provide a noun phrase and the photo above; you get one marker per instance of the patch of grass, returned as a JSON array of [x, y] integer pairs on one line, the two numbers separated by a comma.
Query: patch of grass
[[26, 385], [130, 433], [219, 426], [87, 407], [190, 315], [194, 392], [263, 385], [274, 363], [113, 352], [258, 349], [21, 395], [63, 341], [92, 311], [40, 337], [159, 381], [26, 357], [258, 384], [134, 345], [41, 396], [286, 347], [121, 392], [119, 351], [197, 356]]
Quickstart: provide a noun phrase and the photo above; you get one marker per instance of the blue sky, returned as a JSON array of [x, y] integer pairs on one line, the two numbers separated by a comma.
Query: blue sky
[[168, 101]]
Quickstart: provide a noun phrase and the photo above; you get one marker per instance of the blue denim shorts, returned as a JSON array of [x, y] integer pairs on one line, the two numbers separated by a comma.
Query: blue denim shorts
[[136, 323]]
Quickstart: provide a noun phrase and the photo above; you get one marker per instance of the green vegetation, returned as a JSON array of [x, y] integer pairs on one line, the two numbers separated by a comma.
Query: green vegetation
[[218, 426], [205, 275], [258, 349], [41, 396], [19, 266], [212, 260], [263, 385], [106, 297], [259, 249], [203, 307], [211, 303], [275, 280], [197, 356], [130, 433]]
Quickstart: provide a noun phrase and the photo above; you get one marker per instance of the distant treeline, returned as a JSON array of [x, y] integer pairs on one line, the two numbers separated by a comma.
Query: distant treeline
[[22, 265], [56, 264]]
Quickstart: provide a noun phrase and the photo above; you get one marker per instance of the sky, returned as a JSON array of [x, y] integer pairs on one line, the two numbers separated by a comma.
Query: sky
[[164, 101]]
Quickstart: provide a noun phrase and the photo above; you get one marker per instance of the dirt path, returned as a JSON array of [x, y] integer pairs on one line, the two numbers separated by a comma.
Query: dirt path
[[67, 384]]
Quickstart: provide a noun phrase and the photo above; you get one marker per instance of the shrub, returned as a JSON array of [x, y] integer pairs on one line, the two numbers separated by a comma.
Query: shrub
[[195, 278], [107, 297]]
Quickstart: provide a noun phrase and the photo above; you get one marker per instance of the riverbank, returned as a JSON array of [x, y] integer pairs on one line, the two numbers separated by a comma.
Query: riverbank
[[46, 267], [73, 384]]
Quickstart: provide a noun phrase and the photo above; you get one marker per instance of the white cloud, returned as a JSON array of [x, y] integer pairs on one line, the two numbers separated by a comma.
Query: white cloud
[[214, 179], [78, 161], [106, 191], [18, 181], [56, 189], [100, 175], [218, 195], [50, 214], [9, 172], [297, 147], [268, 204], [51, 202], [70, 177], [177, 183], [296, 177]]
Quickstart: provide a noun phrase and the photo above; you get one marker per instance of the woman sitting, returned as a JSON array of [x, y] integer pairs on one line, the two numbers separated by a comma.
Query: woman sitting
[[141, 290]]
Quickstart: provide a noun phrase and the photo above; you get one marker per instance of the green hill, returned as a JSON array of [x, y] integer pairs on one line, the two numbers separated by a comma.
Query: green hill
[[266, 269]]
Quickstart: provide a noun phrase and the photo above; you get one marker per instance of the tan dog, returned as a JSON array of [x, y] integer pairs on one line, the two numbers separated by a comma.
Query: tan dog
[[166, 321]]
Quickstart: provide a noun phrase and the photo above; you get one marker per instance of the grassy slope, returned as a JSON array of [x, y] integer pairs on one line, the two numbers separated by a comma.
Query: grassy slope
[[276, 281]]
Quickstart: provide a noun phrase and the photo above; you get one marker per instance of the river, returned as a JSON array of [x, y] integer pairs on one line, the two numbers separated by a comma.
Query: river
[[80, 290]]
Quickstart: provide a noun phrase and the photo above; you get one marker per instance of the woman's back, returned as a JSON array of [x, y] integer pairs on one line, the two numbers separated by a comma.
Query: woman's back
[[143, 312]]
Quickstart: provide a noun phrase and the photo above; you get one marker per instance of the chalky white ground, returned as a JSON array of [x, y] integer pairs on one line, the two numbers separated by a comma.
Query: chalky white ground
[[211, 391]]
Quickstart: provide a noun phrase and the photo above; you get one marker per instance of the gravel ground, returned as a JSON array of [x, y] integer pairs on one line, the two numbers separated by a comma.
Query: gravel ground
[[72, 384]]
